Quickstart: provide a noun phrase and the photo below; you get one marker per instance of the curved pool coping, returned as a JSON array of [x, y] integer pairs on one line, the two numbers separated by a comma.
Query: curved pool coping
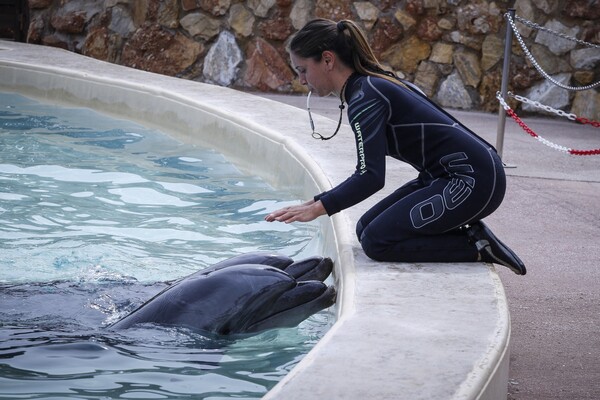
[[403, 331]]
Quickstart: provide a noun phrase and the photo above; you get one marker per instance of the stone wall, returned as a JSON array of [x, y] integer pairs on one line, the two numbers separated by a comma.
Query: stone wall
[[452, 49]]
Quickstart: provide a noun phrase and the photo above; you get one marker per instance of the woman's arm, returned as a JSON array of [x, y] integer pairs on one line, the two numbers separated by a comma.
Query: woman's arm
[[368, 118]]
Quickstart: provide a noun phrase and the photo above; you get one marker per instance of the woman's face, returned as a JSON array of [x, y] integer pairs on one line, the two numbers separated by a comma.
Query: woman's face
[[314, 74]]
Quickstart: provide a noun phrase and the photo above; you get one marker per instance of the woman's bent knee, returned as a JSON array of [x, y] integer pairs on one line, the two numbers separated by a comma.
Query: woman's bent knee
[[373, 248]]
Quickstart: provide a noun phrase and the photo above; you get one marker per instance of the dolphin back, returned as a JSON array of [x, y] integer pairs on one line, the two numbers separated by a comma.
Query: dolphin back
[[278, 261]]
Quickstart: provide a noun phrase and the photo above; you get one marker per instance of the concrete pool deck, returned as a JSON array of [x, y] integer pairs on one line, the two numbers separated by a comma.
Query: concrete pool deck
[[404, 331]]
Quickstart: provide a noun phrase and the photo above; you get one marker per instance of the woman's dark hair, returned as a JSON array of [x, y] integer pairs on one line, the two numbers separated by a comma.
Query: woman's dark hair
[[345, 39]]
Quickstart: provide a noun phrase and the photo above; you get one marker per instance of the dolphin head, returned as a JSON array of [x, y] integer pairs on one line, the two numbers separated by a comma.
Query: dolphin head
[[293, 306], [265, 298], [313, 268]]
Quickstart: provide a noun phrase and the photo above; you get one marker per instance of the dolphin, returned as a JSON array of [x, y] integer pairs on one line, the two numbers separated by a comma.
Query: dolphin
[[240, 296]]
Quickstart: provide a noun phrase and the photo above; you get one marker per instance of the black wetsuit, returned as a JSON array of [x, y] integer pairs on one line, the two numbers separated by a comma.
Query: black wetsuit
[[461, 178]]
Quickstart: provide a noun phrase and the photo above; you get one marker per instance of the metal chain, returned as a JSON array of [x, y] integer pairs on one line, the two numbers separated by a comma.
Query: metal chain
[[537, 66], [530, 131], [562, 35], [560, 113]]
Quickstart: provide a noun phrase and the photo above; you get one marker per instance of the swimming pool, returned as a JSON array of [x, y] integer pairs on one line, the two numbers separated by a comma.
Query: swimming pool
[[95, 215]]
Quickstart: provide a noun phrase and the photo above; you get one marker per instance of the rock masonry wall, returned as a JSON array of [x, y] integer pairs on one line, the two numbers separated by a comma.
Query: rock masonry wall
[[452, 49]]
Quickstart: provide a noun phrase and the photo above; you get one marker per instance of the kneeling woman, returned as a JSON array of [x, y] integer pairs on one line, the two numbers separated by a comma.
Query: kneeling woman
[[437, 216]]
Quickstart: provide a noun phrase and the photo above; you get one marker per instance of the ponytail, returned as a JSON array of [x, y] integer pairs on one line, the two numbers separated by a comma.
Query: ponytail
[[346, 40]]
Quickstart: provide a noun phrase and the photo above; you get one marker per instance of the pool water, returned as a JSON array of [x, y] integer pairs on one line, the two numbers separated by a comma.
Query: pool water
[[96, 216]]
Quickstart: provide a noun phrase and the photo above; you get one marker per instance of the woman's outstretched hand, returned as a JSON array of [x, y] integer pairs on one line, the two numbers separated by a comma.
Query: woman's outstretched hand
[[301, 213]]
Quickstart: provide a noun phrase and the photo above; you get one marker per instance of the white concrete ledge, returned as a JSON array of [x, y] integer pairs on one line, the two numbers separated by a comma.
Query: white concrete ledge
[[404, 331]]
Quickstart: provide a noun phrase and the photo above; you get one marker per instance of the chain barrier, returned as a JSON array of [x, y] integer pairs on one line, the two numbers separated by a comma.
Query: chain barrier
[[562, 35], [530, 131], [535, 63], [546, 108], [560, 113], [595, 124]]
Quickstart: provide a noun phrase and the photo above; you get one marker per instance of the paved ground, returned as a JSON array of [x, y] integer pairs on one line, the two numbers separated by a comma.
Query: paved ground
[[551, 218]]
